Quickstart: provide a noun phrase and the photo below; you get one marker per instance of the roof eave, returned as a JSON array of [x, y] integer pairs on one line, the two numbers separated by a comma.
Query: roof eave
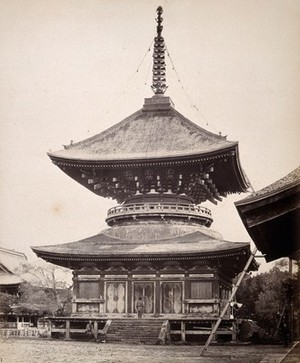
[[263, 197], [166, 158], [163, 255]]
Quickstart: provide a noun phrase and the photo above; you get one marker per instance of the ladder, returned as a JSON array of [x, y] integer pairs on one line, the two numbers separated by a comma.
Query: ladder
[[280, 319], [232, 295]]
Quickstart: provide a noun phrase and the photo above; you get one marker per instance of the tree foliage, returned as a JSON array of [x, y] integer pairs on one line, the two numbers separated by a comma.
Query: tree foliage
[[46, 290], [43, 301], [45, 274], [264, 296], [6, 302]]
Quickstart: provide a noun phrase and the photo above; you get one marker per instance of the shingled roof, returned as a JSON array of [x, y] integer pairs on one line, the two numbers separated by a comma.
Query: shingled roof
[[271, 217], [140, 242], [288, 181], [7, 279], [155, 131], [10, 260]]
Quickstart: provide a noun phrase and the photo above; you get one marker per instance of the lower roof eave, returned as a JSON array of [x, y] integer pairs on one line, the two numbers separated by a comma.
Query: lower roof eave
[[68, 259]]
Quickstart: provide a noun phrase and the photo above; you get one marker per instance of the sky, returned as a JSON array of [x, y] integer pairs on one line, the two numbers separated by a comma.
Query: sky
[[72, 68]]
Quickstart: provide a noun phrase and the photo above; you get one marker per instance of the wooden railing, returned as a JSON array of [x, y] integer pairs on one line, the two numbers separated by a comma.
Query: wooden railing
[[191, 210]]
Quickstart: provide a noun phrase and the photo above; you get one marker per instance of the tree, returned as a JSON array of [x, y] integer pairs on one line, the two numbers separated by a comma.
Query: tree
[[40, 301], [296, 287], [47, 290], [264, 297], [6, 301]]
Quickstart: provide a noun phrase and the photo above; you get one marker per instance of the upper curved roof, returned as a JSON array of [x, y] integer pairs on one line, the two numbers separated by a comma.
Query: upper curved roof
[[155, 131]]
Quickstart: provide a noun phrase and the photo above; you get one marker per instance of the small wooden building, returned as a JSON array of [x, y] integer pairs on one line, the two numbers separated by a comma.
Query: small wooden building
[[10, 260], [10, 283]]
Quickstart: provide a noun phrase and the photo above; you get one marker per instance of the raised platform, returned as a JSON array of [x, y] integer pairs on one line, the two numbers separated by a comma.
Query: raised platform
[[132, 330]]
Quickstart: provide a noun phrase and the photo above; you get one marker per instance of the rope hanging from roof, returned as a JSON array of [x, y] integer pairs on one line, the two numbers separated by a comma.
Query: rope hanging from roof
[[159, 69], [146, 80], [130, 79], [145, 55], [192, 104], [138, 68]]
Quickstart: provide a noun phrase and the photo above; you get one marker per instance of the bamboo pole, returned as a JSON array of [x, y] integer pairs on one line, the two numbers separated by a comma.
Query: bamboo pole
[[232, 295]]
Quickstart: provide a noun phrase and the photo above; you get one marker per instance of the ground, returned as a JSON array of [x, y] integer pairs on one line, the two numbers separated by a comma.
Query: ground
[[58, 351]]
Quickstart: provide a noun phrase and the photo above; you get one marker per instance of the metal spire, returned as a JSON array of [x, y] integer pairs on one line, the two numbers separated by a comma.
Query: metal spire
[[159, 66]]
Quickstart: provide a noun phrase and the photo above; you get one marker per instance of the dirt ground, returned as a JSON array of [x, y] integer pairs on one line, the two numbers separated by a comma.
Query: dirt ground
[[58, 351]]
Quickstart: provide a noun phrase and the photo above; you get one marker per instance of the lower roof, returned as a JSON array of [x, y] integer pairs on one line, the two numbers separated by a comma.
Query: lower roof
[[145, 242]]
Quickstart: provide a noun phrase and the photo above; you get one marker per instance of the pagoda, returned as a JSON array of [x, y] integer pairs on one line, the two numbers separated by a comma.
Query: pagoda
[[159, 167]]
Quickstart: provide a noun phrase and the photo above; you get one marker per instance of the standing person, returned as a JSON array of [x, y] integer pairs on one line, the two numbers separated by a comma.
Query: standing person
[[90, 329], [140, 307]]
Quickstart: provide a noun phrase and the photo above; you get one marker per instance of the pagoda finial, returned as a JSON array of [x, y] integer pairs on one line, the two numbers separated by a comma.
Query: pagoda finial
[[159, 66]]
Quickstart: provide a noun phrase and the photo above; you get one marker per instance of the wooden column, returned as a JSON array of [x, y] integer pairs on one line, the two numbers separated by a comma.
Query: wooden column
[[215, 289], [157, 298], [101, 287], [183, 331], [187, 294], [234, 332], [67, 330], [74, 307], [75, 285], [96, 329], [130, 297]]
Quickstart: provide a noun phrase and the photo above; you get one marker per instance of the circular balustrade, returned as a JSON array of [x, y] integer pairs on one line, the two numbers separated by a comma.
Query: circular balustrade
[[160, 210]]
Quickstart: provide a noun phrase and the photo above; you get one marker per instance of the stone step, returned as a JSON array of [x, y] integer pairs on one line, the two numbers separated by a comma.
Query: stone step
[[134, 331]]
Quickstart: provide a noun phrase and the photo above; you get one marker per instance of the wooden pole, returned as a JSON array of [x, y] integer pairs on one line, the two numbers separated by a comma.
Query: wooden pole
[[280, 319], [183, 331], [67, 330], [232, 295], [291, 301]]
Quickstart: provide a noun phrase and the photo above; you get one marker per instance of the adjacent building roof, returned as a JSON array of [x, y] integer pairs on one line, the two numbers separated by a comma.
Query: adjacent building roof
[[10, 260], [8, 279], [271, 217]]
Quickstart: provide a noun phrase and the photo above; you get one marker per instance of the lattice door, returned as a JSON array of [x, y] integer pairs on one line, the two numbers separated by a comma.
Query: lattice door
[[146, 291], [115, 297], [171, 297]]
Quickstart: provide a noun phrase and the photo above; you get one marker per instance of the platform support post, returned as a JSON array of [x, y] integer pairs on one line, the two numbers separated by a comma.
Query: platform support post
[[67, 329]]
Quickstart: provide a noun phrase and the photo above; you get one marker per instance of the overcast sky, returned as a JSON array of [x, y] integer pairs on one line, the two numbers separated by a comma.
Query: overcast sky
[[69, 70]]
